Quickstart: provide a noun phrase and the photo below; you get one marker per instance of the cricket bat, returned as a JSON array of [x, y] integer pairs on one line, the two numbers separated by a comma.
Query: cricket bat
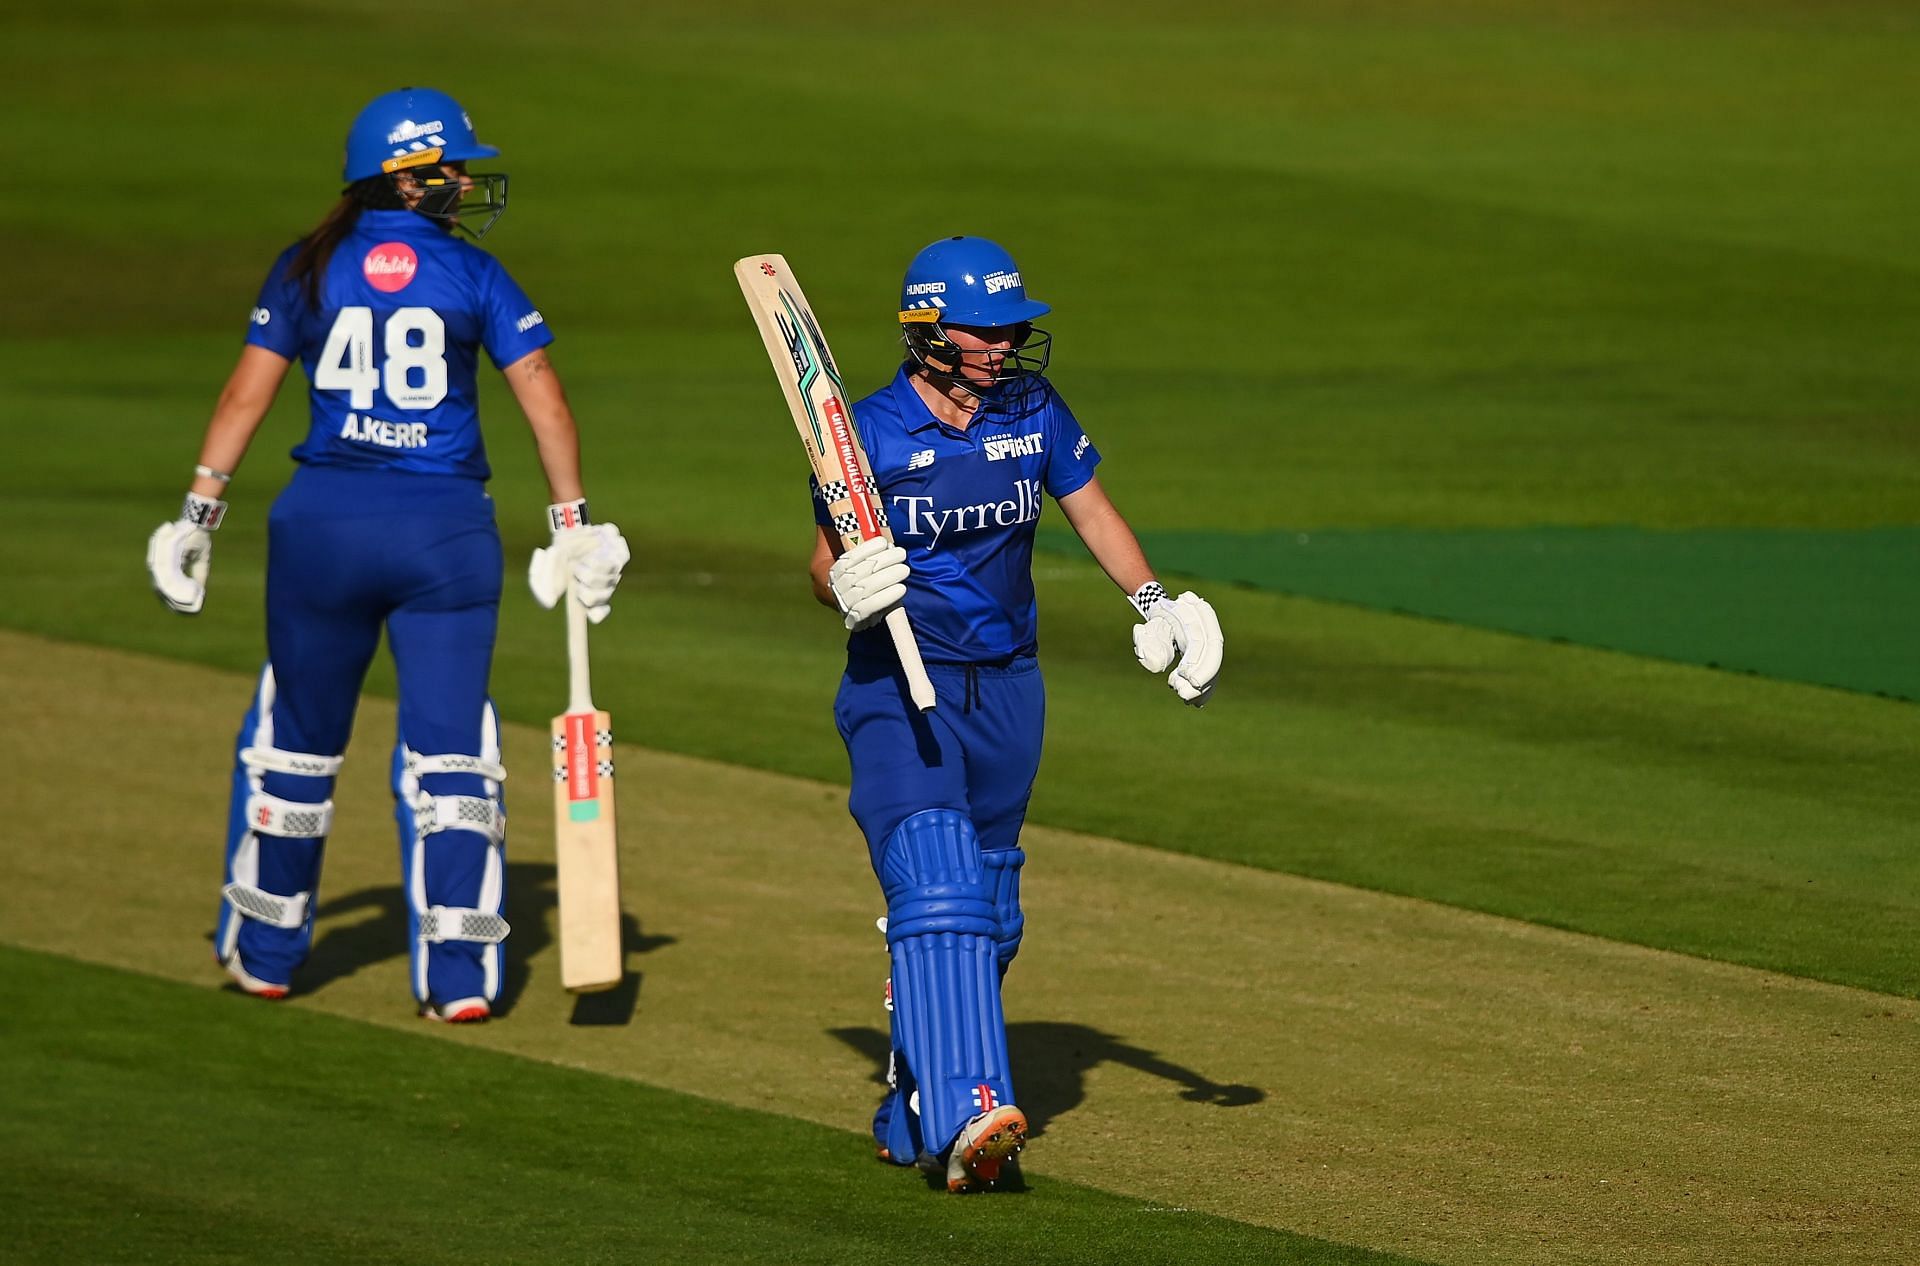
[[585, 843], [818, 400]]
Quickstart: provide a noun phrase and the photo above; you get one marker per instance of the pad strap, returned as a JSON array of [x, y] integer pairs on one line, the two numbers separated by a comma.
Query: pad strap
[[461, 923], [290, 819], [267, 907], [460, 813], [278, 761], [454, 764]]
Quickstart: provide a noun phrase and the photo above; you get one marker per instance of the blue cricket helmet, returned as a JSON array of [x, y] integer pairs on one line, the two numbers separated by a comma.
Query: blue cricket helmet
[[407, 128], [968, 281]]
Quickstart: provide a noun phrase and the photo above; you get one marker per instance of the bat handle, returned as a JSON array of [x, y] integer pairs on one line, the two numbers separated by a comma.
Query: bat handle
[[579, 680], [918, 683]]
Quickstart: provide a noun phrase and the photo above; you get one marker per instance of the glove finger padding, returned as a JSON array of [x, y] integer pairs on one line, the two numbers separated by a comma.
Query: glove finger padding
[[1187, 627], [178, 557], [596, 572], [868, 581], [1202, 646], [547, 576], [591, 557], [1153, 645], [870, 610]]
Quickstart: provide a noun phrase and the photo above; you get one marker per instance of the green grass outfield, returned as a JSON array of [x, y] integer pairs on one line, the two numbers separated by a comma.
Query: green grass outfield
[[1365, 266], [1187, 1034]]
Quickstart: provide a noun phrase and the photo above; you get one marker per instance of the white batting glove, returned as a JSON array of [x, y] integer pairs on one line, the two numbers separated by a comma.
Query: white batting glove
[[591, 555], [178, 553], [868, 581], [1185, 627]]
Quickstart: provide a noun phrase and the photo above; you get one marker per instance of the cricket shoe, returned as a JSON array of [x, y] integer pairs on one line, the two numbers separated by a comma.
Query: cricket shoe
[[984, 1145], [252, 984], [462, 1011]]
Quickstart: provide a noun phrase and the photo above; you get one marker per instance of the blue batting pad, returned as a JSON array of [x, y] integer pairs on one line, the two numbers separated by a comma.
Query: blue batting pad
[[1003, 880], [942, 929]]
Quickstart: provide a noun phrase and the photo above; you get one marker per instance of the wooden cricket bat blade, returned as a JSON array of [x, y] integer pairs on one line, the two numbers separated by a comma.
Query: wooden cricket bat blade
[[818, 401], [586, 852]]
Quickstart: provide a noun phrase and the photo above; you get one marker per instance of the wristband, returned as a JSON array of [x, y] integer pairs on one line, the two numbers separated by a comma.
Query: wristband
[[568, 515], [1146, 595], [207, 472], [203, 512]]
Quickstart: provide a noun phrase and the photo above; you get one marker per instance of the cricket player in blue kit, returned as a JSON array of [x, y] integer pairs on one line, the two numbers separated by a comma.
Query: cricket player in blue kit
[[964, 443], [386, 524]]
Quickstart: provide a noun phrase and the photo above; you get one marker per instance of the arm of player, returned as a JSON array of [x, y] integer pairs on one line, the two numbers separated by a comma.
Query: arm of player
[[592, 554], [179, 552], [1184, 627]]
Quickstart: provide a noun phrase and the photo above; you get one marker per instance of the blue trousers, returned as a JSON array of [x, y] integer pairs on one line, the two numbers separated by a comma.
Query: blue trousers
[[975, 755], [976, 752], [352, 552]]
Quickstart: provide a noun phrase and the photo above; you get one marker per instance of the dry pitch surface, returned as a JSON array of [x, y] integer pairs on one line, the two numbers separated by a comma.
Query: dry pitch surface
[[1369, 1069]]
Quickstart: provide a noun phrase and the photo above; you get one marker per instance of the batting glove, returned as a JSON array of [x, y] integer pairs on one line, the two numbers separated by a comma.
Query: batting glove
[[179, 553], [591, 555], [1185, 627], [868, 581]]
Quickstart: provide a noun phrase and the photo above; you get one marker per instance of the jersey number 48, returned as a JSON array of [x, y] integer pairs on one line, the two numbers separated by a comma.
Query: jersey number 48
[[347, 362]]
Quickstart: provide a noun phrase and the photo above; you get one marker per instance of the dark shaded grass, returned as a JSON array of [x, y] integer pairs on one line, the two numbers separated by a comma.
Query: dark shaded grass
[[152, 1122]]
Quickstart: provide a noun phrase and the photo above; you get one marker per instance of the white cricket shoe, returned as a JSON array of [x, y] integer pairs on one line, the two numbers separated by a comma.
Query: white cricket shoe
[[985, 1142], [461, 1011], [251, 983]]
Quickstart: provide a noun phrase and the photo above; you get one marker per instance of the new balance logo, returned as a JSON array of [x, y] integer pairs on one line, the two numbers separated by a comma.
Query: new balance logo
[[1014, 446], [921, 459]]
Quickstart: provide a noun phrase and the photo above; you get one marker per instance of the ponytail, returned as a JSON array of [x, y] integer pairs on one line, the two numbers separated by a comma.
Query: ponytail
[[310, 259]]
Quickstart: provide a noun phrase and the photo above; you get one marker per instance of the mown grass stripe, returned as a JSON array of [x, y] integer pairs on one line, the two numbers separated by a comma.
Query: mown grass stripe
[[1329, 1061]]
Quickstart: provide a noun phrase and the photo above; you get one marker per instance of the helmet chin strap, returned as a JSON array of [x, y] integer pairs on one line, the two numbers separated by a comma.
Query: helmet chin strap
[[949, 381]]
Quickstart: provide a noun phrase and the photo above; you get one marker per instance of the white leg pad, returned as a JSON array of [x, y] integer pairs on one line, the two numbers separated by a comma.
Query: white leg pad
[[457, 923], [292, 819], [267, 907]]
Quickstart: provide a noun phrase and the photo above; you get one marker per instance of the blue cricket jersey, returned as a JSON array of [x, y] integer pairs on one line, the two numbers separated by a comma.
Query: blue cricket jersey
[[964, 505], [391, 352]]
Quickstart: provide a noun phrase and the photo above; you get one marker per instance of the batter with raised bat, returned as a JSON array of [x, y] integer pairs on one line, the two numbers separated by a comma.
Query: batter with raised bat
[[385, 524], [964, 443]]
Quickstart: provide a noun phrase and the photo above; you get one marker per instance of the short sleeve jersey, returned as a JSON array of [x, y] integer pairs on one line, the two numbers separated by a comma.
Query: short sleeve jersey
[[964, 505], [390, 351]]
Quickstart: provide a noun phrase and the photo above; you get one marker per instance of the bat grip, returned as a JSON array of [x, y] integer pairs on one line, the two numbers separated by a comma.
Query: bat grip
[[579, 680], [918, 683]]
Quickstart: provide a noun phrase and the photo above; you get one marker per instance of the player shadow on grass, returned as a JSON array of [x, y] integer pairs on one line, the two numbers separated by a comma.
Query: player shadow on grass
[[1051, 1060], [339, 952]]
